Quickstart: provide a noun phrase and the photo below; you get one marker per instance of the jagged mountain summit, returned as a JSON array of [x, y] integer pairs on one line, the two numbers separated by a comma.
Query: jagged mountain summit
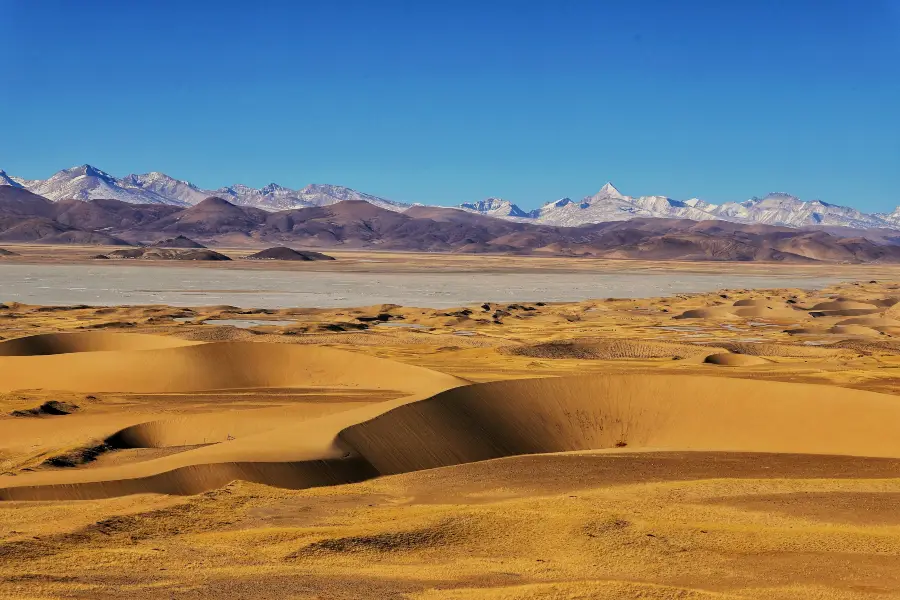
[[607, 205], [496, 207], [88, 183]]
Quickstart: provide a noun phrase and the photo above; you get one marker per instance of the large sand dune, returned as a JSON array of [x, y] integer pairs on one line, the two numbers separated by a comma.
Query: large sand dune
[[493, 420], [658, 412], [86, 341], [185, 366]]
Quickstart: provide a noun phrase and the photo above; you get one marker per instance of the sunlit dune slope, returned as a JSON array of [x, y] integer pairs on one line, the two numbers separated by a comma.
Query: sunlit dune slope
[[211, 366], [491, 420], [86, 341]]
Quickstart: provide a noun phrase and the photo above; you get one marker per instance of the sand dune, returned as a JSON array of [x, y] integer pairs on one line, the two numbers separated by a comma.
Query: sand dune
[[870, 322], [854, 330], [785, 350], [220, 365], [87, 341], [771, 310], [493, 420], [843, 305], [268, 437], [664, 412]]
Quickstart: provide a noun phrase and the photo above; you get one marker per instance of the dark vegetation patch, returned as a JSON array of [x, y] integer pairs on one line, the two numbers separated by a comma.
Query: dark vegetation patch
[[382, 317], [51, 408], [78, 457], [343, 326], [441, 534]]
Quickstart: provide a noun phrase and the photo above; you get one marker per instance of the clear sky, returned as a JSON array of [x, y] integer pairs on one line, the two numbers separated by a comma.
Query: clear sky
[[456, 100]]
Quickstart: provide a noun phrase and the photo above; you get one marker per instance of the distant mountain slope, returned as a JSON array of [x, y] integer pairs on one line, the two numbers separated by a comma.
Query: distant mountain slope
[[26, 217], [89, 183], [496, 207], [86, 182], [608, 204]]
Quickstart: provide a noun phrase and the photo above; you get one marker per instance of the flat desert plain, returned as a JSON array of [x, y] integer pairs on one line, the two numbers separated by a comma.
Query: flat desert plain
[[55, 275], [741, 443]]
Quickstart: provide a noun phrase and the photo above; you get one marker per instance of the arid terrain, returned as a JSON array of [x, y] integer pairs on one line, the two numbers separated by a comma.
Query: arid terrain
[[733, 444], [60, 275]]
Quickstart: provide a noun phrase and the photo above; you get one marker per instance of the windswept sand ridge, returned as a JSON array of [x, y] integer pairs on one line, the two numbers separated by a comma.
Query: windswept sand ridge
[[220, 365], [86, 341]]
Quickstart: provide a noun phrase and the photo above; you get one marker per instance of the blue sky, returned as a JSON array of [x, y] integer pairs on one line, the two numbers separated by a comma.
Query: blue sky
[[445, 102]]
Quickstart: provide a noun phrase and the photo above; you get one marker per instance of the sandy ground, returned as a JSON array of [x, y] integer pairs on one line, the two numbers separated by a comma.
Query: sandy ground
[[735, 444]]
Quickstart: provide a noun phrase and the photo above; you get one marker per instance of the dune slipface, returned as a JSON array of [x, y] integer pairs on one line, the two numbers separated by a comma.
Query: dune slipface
[[492, 420]]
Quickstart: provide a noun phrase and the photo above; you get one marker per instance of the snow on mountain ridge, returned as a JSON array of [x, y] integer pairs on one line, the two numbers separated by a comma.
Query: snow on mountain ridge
[[495, 207], [7, 180], [86, 182]]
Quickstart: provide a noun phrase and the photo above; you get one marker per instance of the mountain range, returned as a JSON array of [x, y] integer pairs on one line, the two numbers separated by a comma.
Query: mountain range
[[609, 204], [90, 183], [26, 217]]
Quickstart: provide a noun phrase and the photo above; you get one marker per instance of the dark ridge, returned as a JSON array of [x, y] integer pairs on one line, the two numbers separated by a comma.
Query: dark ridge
[[26, 217], [284, 253], [167, 254]]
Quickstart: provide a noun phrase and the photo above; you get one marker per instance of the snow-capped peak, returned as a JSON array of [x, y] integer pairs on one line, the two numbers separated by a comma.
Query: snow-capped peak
[[698, 203], [494, 207], [609, 191], [88, 171], [273, 188]]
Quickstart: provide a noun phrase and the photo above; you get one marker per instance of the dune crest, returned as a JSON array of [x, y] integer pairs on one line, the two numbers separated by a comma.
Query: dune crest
[[191, 366], [86, 341]]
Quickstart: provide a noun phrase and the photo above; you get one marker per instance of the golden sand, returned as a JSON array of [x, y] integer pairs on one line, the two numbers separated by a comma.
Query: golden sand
[[741, 444]]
